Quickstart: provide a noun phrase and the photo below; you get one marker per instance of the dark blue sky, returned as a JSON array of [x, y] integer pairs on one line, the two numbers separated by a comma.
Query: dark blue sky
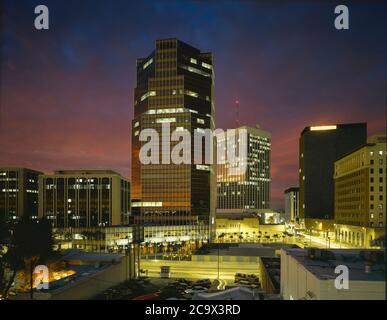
[[67, 93]]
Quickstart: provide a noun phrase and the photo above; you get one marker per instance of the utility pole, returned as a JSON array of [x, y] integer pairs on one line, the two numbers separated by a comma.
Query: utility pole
[[31, 280], [310, 237], [218, 264]]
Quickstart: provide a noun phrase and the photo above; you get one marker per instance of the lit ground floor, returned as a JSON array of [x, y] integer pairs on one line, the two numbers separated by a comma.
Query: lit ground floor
[[155, 240], [332, 235], [355, 236]]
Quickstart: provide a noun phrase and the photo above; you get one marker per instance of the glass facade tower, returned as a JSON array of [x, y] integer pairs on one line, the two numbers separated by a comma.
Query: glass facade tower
[[175, 86]]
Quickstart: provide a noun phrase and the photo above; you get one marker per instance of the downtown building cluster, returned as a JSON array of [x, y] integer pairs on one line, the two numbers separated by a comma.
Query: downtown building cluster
[[341, 194], [168, 202]]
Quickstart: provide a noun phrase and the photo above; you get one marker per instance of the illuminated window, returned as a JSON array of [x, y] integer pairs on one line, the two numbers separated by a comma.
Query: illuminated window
[[206, 65], [147, 63], [192, 60], [165, 120], [320, 128], [148, 94], [200, 121], [191, 93], [195, 70]]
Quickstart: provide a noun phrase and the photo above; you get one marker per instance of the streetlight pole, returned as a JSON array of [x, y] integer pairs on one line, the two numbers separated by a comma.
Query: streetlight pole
[[310, 237], [218, 263]]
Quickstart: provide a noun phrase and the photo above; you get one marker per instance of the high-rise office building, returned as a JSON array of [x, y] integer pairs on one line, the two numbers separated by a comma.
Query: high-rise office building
[[360, 193], [175, 86], [320, 146], [18, 193], [292, 204], [84, 198], [249, 190]]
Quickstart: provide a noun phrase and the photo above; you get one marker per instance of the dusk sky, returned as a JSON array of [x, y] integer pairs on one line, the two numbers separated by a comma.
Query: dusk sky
[[67, 92]]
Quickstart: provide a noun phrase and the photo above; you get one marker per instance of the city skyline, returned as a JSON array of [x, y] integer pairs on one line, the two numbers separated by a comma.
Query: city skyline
[[78, 98]]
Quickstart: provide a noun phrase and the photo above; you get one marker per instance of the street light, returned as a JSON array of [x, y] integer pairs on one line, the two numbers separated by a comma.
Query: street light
[[218, 262]]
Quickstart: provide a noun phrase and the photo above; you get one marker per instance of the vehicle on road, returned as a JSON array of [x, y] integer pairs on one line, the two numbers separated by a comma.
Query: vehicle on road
[[165, 272]]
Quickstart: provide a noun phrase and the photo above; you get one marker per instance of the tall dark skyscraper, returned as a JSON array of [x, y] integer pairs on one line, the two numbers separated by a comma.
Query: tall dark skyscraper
[[175, 85], [320, 147]]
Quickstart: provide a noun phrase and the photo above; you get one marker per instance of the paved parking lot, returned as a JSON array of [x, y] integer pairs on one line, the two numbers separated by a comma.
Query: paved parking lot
[[149, 289]]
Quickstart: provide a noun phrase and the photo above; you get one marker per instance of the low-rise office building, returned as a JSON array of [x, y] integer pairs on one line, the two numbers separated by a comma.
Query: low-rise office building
[[360, 194], [84, 198], [18, 193], [77, 275], [100, 239], [246, 227], [310, 274]]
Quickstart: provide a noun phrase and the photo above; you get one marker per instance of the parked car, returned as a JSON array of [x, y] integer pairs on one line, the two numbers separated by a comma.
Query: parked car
[[196, 289], [204, 282]]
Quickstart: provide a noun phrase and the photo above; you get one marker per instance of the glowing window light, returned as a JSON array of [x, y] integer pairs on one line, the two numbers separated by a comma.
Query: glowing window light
[[321, 128], [147, 63]]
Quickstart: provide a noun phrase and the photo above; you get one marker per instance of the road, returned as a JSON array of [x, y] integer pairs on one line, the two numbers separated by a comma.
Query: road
[[320, 242]]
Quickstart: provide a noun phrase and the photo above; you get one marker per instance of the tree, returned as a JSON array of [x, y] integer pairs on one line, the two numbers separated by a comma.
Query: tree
[[31, 244], [5, 234]]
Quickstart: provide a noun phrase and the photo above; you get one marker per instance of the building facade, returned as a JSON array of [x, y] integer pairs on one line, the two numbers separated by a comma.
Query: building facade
[[292, 204], [84, 198], [360, 193], [175, 88], [311, 274], [320, 146], [18, 193], [251, 189]]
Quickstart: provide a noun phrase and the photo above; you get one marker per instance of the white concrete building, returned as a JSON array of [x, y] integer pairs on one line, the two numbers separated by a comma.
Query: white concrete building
[[310, 275]]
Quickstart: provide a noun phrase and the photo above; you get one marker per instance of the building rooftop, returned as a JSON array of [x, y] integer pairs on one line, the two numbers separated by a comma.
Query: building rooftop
[[20, 169], [292, 189], [355, 259], [90, 257], [243, 249], [86, 172], [328, 127]]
